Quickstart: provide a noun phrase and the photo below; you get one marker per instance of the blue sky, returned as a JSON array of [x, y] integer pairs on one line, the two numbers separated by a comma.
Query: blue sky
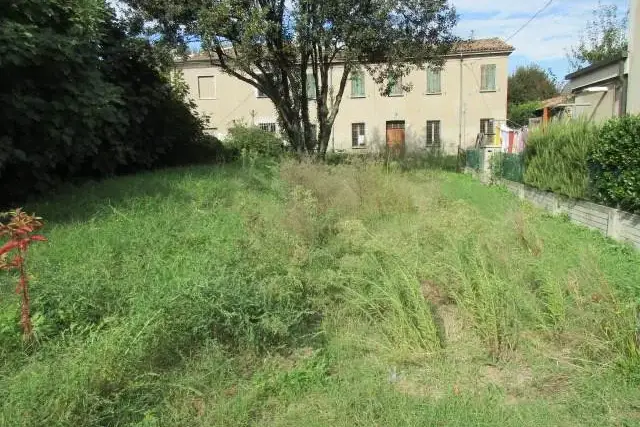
[[545, 40]]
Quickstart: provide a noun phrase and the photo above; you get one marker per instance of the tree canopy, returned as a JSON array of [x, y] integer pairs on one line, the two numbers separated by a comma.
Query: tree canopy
[[288, 49], [531, 83], [605, 37], [80, 97]]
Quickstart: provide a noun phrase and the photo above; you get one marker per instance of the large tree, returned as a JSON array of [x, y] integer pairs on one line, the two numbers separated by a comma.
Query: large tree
[[531, 83], [276, 45], [605, 37]]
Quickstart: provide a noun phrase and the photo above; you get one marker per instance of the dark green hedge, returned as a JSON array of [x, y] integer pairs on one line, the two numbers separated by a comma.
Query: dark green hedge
[[614, 164], [79, 97]]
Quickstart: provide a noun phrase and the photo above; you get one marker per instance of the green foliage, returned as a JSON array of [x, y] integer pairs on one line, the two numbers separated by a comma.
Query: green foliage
[[520, 114], [253, 141], [508, 166], [80, 98], [614, 164], [315, 295], [604, 38], [556, 157], [531, 83]]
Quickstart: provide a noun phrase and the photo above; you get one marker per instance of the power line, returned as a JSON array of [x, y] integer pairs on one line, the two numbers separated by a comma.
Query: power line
[[529, 21]]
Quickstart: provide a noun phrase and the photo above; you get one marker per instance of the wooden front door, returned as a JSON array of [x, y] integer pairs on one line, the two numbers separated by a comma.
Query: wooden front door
[[395, 133]]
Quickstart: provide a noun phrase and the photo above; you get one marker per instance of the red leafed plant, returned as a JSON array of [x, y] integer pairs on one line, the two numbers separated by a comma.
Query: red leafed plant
[[19, 234]]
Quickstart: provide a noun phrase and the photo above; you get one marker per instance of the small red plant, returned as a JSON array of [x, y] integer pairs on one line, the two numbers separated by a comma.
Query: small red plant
[[19, 234]]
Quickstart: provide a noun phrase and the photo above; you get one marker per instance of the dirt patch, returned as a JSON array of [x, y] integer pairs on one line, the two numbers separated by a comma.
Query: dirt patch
[[434, 294]]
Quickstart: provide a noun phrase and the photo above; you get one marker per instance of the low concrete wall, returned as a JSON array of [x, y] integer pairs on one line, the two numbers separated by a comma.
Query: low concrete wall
[[613, 223]]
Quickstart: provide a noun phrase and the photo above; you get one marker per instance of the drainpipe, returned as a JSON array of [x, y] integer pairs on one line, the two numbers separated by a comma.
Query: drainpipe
[[460, 108]]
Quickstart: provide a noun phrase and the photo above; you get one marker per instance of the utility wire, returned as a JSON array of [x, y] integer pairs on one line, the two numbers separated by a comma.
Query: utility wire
[[529, 21]]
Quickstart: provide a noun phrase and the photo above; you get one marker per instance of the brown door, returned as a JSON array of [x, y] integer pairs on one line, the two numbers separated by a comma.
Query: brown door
[[395, 133]]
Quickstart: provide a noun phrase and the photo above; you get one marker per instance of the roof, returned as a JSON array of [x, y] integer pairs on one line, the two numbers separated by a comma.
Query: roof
[[491, 45], [494, 44], [554, 102], [594, 67]]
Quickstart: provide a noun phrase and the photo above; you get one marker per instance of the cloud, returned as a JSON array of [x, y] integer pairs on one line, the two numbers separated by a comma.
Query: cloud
[[546, 38]]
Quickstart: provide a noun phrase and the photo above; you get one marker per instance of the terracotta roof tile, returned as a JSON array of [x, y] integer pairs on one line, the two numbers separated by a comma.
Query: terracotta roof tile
[[483, 45], [467, 46]]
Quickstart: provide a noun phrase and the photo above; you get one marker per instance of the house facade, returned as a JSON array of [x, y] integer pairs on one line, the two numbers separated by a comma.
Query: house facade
[[446, 108], [600, 90]]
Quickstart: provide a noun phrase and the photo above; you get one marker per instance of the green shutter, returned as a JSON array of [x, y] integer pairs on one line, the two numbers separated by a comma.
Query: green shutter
[[311, 86], [433, 81], [488, 77], [357, 85]]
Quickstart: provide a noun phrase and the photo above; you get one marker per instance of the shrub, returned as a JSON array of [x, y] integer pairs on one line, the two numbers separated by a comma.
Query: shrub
[[521, 113], [508, 166], [80, 97], [556, 157], [254, 141], [614, 164]]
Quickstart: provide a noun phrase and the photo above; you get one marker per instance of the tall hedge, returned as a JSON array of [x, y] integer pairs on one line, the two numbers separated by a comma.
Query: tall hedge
[[79, 97], [556, 157], [614, 164]]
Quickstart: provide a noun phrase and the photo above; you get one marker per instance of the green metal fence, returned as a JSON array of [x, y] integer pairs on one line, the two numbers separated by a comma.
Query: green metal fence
[[474, 158], [508, 166]]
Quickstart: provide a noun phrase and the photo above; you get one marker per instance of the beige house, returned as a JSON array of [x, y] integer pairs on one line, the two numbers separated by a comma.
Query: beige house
[[446, 108]]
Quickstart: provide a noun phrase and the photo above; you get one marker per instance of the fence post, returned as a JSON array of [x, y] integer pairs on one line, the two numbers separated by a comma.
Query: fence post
[[613, 224]]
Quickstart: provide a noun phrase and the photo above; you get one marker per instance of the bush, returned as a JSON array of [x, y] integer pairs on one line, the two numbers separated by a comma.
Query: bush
[[508, 166], [556, 157], [207, 149], [521, 113], [81, 98], [614, 164], [254, 141]]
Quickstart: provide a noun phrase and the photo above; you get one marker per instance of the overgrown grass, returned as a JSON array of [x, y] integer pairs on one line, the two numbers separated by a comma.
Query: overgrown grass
[[556, 157], [306, 294]]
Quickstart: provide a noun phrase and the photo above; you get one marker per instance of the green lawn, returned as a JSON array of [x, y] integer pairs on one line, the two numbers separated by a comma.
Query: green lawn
[[307, 295]]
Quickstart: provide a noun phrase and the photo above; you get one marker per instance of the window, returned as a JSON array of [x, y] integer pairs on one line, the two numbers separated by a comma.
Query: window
[[357, 85], [357, 135], [395, 86], [269, 127], [311, 86], [206, 87], [433, 132], [433, 81], [486, 126], [488, 77]]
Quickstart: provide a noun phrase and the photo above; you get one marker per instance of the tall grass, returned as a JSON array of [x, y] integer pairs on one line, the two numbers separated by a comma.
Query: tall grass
[[307, 294], [556, 157]]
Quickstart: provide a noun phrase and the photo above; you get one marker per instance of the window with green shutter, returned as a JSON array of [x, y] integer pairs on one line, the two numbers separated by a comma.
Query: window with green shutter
[[488, 77], [311, 86], [433, 81], [357, 85], [395, 86]]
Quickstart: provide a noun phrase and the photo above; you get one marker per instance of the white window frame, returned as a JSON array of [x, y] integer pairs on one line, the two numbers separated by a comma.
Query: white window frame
[[361, 129], [436, 138]]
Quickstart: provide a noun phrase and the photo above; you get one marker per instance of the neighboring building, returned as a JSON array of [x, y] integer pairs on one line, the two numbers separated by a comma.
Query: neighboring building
[[600, 90], [633, 94], [444, 109]]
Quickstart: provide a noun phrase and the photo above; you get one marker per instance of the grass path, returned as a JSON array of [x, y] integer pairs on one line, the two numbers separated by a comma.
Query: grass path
[[306, 295]]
